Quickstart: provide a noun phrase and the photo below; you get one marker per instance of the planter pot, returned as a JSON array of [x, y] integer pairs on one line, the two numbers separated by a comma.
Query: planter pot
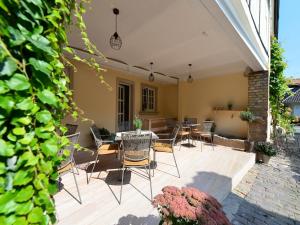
[[260, 157], [249, 146], [266, 158], [138, 131]]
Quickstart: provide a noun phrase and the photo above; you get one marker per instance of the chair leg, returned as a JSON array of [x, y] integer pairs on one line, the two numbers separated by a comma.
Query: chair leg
[[80, 201], [149, 170], [88, 181], [211, 142], [154, 162], [201, 143], [123, 170], [176, 164]]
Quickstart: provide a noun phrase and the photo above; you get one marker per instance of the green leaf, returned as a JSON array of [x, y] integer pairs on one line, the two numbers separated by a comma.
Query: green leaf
[[25, 194], [18, 82], [27, 139], [6, 149], [17, 37], [36, 215], [2, 168], [19, 131], [11, 137], [25, 104], [44, 116], [47, 97], [50, 147], [7, 203], [24, 120], [41, 65], [22, 177], [3, 87], [42, 43], [8, 67], [6, 103], [42, 133], [21, 220], [28, 159], [24, 208]]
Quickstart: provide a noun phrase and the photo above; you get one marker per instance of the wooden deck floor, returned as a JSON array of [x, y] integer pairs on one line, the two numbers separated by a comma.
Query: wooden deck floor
[[215, 172]]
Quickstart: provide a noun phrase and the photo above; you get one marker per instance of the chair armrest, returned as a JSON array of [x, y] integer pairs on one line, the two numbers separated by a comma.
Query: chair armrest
[[107, 141]]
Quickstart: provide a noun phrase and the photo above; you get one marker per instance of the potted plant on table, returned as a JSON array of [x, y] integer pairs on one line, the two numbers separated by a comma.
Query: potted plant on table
[[248, 117], [137, 123], [265, 151]]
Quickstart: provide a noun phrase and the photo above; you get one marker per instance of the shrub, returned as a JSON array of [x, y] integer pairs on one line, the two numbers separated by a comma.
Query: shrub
[[265, 148], [188, 206], [247, 116]]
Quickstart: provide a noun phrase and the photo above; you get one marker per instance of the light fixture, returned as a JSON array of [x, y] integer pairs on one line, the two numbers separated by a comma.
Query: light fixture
[[190, 78], [151, 76], [115, 40]]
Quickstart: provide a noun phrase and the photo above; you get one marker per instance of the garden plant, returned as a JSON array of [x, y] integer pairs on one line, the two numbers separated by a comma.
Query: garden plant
[[34, 98]]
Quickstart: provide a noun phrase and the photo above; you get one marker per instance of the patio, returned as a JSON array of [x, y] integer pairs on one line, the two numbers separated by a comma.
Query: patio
[[214, 171]]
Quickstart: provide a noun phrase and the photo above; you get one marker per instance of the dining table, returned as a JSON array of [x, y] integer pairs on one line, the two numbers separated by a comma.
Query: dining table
[[118, 136]]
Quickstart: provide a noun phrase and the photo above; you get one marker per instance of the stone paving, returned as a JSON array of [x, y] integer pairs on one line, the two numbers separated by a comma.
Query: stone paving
[[267, 195]]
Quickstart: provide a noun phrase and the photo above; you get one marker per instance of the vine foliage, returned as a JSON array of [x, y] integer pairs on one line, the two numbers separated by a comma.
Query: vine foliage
[[279, 88], [34, 98]]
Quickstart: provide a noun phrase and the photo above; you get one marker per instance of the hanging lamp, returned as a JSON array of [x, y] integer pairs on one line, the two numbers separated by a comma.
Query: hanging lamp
[[190, 78], [151, 76], [115, 40]]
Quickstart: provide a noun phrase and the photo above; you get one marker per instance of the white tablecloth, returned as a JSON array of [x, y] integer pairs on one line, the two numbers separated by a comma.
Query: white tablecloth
[[119, 134]]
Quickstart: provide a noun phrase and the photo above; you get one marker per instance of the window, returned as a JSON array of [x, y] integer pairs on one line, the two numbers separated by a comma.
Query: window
[[148, 99]]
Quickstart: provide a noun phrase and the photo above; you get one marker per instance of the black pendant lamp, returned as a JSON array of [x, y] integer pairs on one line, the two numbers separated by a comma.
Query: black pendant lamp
[[190, 78], [115, 40], [151, 76]]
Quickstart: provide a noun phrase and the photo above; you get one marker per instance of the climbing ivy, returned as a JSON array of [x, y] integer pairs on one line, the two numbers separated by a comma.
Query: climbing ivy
[[278, 88], [34, 98]]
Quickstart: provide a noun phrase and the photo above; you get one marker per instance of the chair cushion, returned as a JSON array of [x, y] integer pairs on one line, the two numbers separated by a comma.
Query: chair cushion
[[183, 133], [65, 168], [162, 147], [144, 162], [106, 149]]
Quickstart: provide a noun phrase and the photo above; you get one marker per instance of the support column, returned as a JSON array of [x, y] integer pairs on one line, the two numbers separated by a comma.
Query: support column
[[258, 102]]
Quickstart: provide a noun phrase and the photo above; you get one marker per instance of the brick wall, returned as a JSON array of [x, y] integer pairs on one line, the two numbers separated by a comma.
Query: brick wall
[[258, 102]]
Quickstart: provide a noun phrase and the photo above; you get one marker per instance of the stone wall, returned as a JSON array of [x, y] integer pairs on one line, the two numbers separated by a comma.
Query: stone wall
[[258, 103]]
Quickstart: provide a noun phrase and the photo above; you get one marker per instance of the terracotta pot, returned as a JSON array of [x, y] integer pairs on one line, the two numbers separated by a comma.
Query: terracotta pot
[[249, 146]]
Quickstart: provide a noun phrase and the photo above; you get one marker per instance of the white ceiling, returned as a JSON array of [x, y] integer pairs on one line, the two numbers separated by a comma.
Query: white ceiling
[[170, 33]]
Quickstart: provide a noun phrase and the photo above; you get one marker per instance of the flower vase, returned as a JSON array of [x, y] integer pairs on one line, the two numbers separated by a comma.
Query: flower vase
[[138, 131]]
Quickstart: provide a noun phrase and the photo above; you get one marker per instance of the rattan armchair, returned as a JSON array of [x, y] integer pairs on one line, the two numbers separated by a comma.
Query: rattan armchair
[[136, 153], [204, 131], [104, 147], [166, 144], [69, 164]]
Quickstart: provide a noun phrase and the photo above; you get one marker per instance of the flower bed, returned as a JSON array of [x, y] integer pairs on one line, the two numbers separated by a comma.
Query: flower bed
[[188, 206]]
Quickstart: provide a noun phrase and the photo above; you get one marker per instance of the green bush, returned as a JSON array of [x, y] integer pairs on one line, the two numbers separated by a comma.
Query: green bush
[[265, 148], [247, 116]]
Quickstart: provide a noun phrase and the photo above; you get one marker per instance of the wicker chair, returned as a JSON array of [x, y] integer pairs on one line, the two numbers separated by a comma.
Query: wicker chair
[[136, 153], [69, 164], [104, 147], [166, 145], [204, 132]]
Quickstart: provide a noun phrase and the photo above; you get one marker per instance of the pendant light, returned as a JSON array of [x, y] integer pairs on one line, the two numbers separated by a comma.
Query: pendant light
[[115, 40], [190, 78], [151, 76]]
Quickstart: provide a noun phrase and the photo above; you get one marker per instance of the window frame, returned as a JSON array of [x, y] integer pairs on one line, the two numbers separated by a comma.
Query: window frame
[[148, 97]]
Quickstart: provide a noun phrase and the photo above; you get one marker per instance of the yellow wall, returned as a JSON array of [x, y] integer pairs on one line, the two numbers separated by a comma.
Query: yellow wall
[[195, 99], [199, 98], [99, 103]]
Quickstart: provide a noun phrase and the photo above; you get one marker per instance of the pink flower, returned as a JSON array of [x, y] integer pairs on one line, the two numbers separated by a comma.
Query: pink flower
[[189, 204]]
